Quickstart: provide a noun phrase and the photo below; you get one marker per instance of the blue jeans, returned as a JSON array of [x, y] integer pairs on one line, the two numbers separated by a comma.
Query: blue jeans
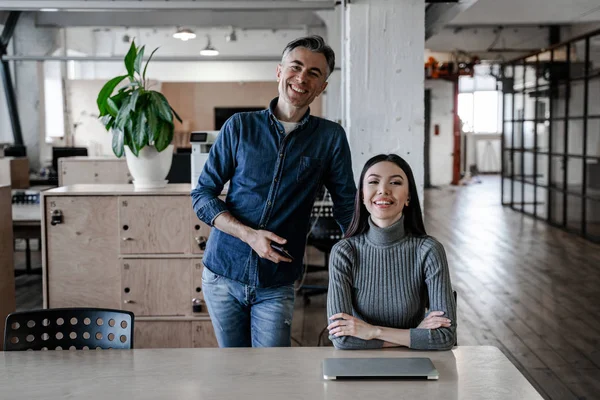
[[245, 316]]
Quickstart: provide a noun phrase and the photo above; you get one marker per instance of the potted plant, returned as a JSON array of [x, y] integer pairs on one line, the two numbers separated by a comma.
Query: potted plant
[[141, 122]]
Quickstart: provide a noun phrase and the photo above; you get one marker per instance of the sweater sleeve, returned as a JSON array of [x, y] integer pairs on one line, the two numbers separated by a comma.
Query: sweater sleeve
[[439, 289], [339, 295]]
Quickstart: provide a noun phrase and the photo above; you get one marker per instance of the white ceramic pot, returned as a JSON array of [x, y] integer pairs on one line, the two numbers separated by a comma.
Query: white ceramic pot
[[150, 168]]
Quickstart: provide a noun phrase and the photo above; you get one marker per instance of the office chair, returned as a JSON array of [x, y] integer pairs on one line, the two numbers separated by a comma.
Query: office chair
[[69, 328], [324, 234]]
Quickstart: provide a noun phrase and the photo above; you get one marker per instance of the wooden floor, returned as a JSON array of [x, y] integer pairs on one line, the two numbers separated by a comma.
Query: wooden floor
[[529, 289]]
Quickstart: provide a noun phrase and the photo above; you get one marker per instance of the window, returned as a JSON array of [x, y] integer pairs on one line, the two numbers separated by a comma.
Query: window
[[479, 103]]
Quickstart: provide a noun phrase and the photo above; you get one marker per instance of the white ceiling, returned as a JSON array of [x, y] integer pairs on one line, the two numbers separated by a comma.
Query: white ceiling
[[166, 4], [529, 12]]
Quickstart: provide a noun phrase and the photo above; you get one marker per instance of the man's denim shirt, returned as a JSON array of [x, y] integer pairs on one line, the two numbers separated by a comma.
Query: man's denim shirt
[[274, 179]]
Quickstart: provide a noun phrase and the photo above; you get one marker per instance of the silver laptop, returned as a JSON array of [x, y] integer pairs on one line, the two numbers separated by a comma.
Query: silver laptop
[[379, 368]]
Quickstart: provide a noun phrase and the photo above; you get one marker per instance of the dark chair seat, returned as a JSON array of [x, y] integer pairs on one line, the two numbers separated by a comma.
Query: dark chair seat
[[69, 328]]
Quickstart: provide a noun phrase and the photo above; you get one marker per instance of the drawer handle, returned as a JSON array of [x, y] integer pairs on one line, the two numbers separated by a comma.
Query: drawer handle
[[201, 241], [129, 301], [56, 217], [125, 239]]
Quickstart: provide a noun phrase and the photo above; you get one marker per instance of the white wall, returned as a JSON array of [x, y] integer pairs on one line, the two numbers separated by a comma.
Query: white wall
[[442, 145]]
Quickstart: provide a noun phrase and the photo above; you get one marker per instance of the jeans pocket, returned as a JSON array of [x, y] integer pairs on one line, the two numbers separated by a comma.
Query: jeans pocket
[[309, 168], [209, 277]]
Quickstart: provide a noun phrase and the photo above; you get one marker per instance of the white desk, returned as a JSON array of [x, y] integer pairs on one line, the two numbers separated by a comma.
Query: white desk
[[277, 373]]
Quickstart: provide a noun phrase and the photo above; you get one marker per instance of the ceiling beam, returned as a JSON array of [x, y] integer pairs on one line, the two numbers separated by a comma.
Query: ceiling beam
[[104, 5], [268, 19], [438, 15]]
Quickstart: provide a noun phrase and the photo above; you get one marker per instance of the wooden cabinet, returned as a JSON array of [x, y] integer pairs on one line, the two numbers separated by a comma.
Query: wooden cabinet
[[7, 268], [156, 286], [14, 171], [96, 170], [155, 224], [82, 252], [111, 246]]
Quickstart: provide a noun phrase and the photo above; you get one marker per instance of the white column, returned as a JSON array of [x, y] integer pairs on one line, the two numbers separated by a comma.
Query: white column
[[385, 44], [332, 97]]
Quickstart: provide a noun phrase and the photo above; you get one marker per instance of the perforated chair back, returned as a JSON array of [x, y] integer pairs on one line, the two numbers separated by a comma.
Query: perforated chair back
[[69, 328], [325, 230]]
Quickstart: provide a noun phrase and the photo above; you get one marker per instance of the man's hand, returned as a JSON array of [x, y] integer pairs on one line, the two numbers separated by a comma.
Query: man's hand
[[347, 325], [260, 241], [434, 320]]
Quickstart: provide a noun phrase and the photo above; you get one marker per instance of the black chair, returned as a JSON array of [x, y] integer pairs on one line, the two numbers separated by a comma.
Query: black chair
[[69, 328], [324, 234], [15, 150]]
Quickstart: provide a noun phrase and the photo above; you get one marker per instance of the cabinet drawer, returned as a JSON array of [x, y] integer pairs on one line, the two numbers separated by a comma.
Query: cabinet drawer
[[197, 268], [82, 252], [204, 334], [154, 224], [157, 287], [162, 334], [74, 171], [174, 334]]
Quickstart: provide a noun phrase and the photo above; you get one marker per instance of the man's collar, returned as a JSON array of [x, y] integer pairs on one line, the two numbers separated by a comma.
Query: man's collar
[[274, 119]]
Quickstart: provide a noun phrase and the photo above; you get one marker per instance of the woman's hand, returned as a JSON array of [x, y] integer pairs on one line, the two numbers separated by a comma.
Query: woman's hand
[[434, 320], [347, 325]]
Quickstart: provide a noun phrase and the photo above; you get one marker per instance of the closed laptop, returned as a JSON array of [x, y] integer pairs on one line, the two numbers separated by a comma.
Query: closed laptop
[[379, 368]]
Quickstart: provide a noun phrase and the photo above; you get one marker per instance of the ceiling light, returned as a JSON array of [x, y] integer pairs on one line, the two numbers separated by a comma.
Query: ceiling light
[[232, 37], [48, 9], [209, 50], [184, 34]]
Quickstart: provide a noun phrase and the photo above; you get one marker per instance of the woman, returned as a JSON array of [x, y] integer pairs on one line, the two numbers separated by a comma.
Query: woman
[[386, 270]]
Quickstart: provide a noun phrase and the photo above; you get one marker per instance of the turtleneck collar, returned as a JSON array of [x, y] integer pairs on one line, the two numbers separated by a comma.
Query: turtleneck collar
[[386, 236]]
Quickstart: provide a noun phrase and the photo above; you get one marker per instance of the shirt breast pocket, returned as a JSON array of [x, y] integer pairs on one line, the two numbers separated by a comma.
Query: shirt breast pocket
[[309, 168]]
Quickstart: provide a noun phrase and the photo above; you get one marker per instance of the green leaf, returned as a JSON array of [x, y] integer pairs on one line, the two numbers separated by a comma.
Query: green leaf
[[131, 84], [117, 142], [113, 108], [153, 122], [138, 60], [129, 135], [130, 59], [162, 106], [176, 116], [105, 93], [146, 67], [107, 121], [123, 114], [163, 135], [140, 130], [133, 100]]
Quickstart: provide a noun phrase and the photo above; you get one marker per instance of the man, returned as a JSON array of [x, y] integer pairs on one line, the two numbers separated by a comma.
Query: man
[[275, 160]]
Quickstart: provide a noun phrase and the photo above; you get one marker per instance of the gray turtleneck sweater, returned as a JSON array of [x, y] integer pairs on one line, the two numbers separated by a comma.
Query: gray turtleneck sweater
[[384, 277]]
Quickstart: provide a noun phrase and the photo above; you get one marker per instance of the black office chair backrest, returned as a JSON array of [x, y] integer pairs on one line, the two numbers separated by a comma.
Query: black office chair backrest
[[69, 328], [325, 231]]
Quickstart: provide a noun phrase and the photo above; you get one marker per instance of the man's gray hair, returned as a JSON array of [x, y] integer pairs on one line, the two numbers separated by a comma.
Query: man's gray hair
[[315, 44]]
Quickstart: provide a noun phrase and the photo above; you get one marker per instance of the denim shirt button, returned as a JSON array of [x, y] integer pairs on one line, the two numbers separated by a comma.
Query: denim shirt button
[[280, 154], [261, 226], [268, 203], [275, 180]]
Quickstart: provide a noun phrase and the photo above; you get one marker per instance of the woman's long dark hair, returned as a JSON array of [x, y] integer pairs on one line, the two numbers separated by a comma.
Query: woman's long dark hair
[[413, 218]]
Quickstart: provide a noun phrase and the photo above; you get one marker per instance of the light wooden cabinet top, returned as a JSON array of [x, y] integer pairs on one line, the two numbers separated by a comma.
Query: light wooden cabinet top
[[478, 372], [118, 190]]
